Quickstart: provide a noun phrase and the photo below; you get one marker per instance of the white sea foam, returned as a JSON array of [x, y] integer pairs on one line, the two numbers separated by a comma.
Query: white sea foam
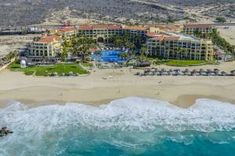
[[125, 114], [130, 123]]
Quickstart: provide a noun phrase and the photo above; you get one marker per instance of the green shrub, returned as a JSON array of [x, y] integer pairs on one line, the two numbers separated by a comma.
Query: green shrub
[[29, 72], [185, 63]]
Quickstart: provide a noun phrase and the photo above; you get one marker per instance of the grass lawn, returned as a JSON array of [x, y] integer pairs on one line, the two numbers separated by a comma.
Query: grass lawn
[[185, 63], [46, 70]]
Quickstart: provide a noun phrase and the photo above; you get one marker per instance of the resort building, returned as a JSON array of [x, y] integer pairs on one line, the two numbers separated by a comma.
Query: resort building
[[160, 28], [200, 28], [46, 46], [67, 31], [135, 30], [103, 32], [159, 43], [178, 46], [100, 32]]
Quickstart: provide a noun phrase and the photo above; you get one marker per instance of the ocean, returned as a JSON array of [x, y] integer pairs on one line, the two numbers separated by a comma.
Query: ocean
[[125, 127]]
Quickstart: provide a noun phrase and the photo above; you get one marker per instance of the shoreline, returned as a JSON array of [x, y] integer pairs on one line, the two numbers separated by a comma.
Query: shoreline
[[62, 96], [184, 101], [103, 86]]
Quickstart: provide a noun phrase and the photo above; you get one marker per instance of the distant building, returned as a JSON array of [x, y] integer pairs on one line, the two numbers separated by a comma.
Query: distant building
[[46, 46], [200, 28], [178, 46]]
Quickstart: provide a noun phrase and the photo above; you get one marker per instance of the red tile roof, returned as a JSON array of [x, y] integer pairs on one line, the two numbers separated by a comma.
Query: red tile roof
[[171, 38], [111, 27], [166, 38], [85, 27], [198, 26], [67, 29], [49, 39], [166, 27], [137, 28], [159, 38], [100, 26], [152, 34]]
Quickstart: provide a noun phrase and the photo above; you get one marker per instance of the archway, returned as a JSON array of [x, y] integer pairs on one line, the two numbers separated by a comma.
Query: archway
[[100, 40]]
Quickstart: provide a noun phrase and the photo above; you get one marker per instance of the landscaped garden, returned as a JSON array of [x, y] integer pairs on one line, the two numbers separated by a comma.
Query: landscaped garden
[[50, 70], [185, 63], [180, 63]]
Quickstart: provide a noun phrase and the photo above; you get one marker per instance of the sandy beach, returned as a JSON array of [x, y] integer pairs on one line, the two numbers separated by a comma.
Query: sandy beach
[[103, 86]]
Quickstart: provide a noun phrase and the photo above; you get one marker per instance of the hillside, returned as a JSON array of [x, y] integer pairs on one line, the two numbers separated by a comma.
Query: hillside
[[25, 12]]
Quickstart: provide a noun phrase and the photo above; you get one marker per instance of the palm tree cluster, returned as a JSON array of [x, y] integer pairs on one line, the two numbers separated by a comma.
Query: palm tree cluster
[[130, 41], [221, 42], [77, 46], [6, 59], [217, 40]]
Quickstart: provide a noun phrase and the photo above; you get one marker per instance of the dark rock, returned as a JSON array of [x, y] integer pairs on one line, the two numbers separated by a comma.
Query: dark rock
[[4, 132]]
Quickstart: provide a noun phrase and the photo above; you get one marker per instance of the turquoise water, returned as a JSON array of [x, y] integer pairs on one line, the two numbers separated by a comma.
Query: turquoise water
[[109, 56], [130, 126]]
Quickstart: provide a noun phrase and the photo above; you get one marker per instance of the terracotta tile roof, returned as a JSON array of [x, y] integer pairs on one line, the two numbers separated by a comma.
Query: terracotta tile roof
[[159, 38], [100, 27], [85, 27], [137, 28], [166, 27], [49, 39], [166, 38], [111, 27], [67, 29], [171, 38], [198, 26], [152, 34]]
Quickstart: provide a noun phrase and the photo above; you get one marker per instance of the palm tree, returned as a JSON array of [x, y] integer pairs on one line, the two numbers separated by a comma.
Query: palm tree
[[143, 51], [66, 49], [124, 55], [81, 46]]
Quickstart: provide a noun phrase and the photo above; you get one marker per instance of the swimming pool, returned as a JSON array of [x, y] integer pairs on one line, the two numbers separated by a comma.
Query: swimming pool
[[110, 56]]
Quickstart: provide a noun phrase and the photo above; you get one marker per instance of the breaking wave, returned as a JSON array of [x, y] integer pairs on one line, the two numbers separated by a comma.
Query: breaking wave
[[126, 127]]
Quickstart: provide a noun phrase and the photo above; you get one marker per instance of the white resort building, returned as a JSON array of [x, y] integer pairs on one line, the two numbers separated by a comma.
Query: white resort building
[[46, 46], [103, 32], [160, 43], [197, 28], [179, 46]]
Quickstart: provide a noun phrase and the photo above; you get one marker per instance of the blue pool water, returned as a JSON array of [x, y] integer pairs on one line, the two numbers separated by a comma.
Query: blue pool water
[[109, 56], [127, 127]]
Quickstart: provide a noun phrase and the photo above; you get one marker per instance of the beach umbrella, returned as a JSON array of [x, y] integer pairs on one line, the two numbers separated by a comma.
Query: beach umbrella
[[158, 73], [156, 69], [201, 70], [223, 73], [233, 72]]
